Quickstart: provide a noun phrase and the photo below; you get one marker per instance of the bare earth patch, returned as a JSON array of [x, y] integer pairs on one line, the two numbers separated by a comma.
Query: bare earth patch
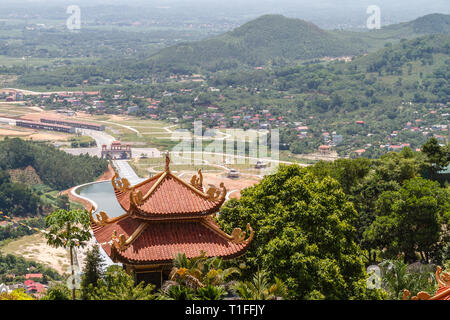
[[7, 132], [50, 136], [35, 248]]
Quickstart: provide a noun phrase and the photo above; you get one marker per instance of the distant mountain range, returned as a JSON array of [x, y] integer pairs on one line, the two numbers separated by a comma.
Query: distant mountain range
[[275, 39]]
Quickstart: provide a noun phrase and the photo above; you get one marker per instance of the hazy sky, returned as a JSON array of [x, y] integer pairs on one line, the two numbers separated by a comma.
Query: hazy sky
[[325, 13]]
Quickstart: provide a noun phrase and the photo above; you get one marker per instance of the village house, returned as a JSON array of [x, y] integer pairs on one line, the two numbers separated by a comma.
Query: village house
[[324, 149]]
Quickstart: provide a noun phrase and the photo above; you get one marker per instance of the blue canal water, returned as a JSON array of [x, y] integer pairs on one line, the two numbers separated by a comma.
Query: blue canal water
[[103, 194]]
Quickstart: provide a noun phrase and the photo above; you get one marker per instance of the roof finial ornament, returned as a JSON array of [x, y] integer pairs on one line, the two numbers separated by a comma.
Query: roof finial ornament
[[167, 161]]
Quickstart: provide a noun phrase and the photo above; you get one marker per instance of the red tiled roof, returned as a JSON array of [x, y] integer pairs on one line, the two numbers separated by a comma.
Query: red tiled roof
[[166, 216], [162, 240], [33, 276], [168, 196], [28, 283], [38, 287]]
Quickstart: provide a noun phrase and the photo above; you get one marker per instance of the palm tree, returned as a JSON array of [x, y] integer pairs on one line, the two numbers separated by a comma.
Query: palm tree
[[211, 292], [205, 278], [396, 278], [260, 289]]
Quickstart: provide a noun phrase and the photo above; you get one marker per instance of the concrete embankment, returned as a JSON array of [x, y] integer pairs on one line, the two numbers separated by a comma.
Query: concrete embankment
[[87, 203]]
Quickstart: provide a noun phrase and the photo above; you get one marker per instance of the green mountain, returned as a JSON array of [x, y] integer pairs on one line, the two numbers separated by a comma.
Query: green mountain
[[429, 24], [270, 38], [276, 40]]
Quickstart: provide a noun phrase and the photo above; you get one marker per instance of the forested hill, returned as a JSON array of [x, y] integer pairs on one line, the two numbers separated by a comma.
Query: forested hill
[[272, 41], [270, 38], [429, 24], [55, 168], [276, 40]]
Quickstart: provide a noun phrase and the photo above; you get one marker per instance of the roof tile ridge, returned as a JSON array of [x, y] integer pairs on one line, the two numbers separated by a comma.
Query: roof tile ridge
[[206, 221], [122, 244], [140, 184], [198, 191], [154, 186]]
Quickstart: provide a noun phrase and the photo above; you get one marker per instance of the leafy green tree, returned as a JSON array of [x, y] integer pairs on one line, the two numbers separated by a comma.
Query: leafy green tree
[[397, 166], [304, 234], [93, 269], [18, 294], [437, 156], [411, 220], [116, 284], [68, 229], [57, 292]]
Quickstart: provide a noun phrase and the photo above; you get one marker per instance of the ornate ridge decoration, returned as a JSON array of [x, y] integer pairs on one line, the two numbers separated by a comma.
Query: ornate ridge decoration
[[121, 243], [197, 181], [167, 161], [102, 218], [214, 194], [120, 184], [136, 198], [237, 235], [155, 185], [443, 282], [118, 241]]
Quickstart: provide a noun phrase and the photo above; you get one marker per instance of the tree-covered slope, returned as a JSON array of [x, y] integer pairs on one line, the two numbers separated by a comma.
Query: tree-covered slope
[[272, 41], [429, 24], [276, 39], [56, 168], [260, 41]]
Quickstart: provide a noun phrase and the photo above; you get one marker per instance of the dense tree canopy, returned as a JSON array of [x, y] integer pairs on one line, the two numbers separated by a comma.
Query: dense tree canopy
[[56, 168], [411, 219], [304, 234]]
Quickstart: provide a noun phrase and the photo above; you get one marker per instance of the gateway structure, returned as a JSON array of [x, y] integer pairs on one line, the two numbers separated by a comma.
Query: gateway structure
[[166, 216]]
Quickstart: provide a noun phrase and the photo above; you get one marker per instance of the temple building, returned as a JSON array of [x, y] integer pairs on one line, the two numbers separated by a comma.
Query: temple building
[[164, 216]]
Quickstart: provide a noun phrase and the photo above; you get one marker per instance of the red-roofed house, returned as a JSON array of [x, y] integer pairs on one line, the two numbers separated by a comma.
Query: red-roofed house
[[395, 147], [33, 276], [27, 283], [35, 288], [324, 149]]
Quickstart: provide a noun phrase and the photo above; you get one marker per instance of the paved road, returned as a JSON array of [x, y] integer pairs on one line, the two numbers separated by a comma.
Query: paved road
[[100, 138], [125, 171]]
